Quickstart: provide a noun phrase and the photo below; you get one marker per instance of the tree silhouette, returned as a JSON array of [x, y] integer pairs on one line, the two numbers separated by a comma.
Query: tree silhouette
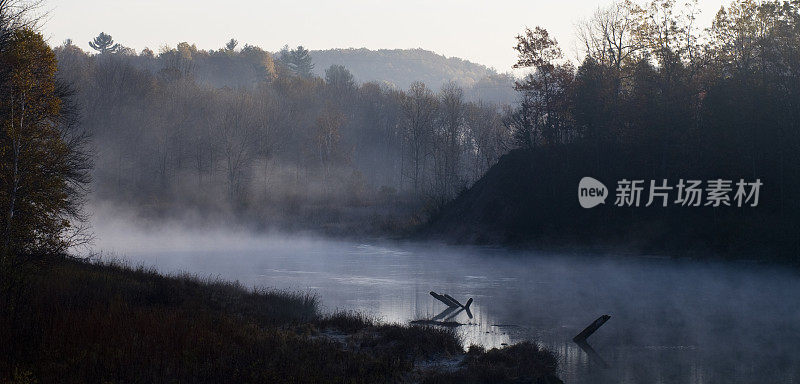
[[103, 43], [231, 44], [338, 77], [42, 170], [300, 62]]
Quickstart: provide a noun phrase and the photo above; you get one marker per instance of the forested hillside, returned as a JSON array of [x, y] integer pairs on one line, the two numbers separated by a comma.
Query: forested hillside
[[239, 132], [402, 67], [657, 100]]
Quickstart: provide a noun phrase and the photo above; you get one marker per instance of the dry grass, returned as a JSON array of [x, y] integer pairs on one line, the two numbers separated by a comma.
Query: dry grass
[[520, 363], [83, 322]]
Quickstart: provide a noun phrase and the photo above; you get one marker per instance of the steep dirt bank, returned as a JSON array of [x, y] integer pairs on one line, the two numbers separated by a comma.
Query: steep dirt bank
[[530, 199]]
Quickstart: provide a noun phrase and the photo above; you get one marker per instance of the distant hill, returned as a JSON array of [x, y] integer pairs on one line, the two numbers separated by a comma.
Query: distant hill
[[401, 67]]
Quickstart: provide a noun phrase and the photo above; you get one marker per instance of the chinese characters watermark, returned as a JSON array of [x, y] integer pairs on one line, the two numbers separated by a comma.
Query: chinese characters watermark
[[684, 193]]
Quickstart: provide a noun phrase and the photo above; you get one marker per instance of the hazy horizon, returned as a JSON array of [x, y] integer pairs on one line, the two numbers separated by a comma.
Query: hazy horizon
[[480, 32]]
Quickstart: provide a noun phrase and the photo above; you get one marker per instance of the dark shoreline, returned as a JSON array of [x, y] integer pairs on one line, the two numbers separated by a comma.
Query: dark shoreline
[[81, 321]]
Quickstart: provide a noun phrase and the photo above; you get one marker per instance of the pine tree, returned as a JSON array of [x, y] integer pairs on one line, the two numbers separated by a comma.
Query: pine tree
[[103, 43], [231, 45], [300, 62]]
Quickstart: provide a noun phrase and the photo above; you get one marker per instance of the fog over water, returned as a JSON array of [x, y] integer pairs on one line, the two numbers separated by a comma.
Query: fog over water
[[672, 321]]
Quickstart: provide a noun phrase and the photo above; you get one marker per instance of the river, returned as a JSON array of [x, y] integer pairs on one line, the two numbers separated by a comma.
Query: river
[[672, 320]]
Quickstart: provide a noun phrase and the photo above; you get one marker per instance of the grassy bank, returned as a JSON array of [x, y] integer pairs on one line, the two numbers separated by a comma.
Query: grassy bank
[[80, 322]]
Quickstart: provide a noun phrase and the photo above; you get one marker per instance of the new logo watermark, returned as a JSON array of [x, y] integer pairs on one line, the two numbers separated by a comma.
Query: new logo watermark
[[684, 193], [591, 192]]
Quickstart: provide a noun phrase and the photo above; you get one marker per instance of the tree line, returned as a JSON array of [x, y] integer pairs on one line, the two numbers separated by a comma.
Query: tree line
[[236, 129], [657, 97], [401, 67]]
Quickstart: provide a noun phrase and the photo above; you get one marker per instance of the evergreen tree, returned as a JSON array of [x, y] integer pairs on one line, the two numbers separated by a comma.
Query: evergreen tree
[[300, 62], [103, 43], [231, 44], [338, 77]]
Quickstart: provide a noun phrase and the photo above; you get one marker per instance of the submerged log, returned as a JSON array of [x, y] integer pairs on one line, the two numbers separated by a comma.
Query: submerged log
[[453, 300], [445, 300], [588, 331]]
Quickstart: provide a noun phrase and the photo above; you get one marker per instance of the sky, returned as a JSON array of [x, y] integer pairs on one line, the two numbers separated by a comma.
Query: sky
[[478, 31]]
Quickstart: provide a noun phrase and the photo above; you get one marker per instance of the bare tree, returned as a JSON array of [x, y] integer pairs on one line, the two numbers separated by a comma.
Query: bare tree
[[18, 14], [486, 138], [451, 115], [327, 140], [236, 133], [608, 38], [419, 109]]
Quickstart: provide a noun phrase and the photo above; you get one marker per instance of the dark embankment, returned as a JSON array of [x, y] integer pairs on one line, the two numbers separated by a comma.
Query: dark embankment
[[81, 322], [530, 199]]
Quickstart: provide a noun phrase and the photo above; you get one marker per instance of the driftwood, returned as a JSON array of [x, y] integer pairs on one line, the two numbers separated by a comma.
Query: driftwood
[[452, 303], [588, 331], [469, 302], [453, 300], [443, 298]]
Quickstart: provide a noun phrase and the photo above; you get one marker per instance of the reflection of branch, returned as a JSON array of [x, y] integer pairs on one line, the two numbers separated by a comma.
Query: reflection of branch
[[593, 355], [580, 339], [443, 318], [454, 314], [443, 313], [449, 313]]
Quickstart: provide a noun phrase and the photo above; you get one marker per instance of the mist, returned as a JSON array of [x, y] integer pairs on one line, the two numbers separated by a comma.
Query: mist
[[672, 320], [245, 214]]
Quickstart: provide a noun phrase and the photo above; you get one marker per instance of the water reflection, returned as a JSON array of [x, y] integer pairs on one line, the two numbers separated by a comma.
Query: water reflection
[[672, 321], [591, 353]]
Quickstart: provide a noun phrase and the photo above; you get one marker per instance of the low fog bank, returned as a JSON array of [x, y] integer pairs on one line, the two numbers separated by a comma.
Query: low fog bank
[[119, 231]]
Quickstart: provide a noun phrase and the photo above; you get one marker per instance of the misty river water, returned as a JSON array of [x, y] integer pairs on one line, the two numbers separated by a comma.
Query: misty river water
[[672, 321]]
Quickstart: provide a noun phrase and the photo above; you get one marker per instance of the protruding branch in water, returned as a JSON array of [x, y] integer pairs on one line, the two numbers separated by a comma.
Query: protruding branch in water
[[588, 331]]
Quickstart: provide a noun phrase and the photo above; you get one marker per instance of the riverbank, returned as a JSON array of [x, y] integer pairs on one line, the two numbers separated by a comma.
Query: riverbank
[[528, 200], [79, 321]]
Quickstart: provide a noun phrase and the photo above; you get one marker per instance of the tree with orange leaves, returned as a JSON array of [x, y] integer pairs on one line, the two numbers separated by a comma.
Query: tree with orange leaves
[[43, 170]]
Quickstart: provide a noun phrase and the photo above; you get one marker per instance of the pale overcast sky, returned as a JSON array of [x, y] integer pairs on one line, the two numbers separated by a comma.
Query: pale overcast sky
[[479, 31]]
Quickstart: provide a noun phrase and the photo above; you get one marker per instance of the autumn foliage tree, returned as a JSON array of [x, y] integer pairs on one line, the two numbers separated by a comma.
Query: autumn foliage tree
[[543, 91], [43, 169]]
